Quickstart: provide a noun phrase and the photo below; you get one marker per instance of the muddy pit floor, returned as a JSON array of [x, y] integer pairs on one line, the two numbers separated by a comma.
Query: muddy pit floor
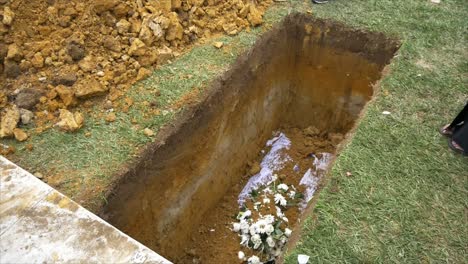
[[214, 241]]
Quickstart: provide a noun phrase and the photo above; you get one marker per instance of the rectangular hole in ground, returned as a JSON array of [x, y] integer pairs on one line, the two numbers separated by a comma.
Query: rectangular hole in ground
[[307, 78]]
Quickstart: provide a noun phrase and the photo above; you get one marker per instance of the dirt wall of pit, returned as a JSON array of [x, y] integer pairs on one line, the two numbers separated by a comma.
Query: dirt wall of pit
[[305, 71]]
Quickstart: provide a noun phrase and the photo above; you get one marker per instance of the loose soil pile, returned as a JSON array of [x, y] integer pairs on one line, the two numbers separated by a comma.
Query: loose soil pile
[[57, 54]]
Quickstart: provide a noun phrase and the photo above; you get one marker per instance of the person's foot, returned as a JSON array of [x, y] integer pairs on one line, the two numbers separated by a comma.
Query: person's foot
[[455, 147], [319, 1], [446, 130]]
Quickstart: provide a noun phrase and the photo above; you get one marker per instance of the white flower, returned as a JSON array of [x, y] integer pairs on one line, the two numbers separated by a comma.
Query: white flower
[[285, 219], [241, 255], [279, 213], [246, 214], [287, 232], [245, 240], [244, 227], [267, 190], [283, 187], [283, 239], [274, 177], [256, 240], [261, 226], [279, 199], [269, 219], [270, 241], [266, 200], [254, 260], [292, 194], [276, 252], [269, 229], [253, 229], [236, 227]]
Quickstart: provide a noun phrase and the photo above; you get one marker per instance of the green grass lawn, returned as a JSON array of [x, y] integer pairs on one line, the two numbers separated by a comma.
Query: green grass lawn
[[407, 198]]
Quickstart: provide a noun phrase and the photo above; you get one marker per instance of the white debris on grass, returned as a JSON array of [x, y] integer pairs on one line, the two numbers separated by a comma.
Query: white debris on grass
[[302, 259]]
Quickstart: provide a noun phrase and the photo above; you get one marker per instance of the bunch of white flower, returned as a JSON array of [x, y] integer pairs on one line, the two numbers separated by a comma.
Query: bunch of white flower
[[265, 233]]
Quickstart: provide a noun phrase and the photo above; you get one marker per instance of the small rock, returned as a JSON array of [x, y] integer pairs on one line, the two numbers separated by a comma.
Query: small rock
[[112, 44], [11, 69], [121, 10], [28, 98], [26, 116], [76, 51], [254, 16], [37, 60], [230, 29], [14, 53], [39, 175], [164, 54], [9, 122], [66, 94], [146, 34], [70, 122], [111, 117], [89, 88], [8, 16], [312, 131], [25, 65], [148, 132], [143, 73], [20, 135], [137, 48], [102, 6], [108, 105], [30, 147], [87, 64], [67, 79], [175, 30], [123, 26], [218, 44]]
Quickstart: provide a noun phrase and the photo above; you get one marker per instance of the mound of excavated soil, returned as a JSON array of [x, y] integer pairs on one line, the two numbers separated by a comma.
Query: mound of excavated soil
[[57, 54]]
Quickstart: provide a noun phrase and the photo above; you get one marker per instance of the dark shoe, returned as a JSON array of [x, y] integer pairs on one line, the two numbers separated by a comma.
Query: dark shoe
[[319, 1], [455, 147], [446, 131]]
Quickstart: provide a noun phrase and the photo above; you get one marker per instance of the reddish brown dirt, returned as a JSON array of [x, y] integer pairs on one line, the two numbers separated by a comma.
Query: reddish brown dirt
[[214, 241], [57, 54]]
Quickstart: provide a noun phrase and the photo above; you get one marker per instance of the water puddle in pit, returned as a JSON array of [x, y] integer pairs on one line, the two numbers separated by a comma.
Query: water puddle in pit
[[308, 80]]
